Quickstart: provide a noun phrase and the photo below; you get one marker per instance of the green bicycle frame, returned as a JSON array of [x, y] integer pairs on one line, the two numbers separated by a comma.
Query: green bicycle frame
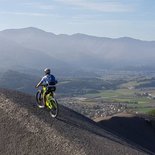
[[49, 98]]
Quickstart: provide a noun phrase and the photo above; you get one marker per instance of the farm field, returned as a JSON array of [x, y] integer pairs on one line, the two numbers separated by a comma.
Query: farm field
[[134, 93]]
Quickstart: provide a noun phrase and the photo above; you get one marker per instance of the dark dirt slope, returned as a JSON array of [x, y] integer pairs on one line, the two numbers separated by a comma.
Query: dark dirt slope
[[27, 130], [132, 128]]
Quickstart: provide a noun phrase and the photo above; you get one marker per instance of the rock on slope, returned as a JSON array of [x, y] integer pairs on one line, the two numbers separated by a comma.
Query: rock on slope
[[25, 129]]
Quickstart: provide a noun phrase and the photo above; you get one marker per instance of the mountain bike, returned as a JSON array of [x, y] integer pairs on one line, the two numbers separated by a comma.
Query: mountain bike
[[51, 103]]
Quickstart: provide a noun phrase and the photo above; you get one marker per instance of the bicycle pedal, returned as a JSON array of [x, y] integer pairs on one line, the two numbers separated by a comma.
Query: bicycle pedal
[[41, 106]]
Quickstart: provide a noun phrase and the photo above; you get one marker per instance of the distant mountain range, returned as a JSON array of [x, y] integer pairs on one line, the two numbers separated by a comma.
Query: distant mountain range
[[32, 48]]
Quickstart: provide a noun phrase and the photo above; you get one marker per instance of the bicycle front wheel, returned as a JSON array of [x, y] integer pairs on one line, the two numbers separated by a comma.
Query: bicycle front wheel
[[39, 99], [55, 108]]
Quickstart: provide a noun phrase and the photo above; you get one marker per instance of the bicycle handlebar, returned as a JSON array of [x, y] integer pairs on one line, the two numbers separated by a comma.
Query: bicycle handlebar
[[45, 85]]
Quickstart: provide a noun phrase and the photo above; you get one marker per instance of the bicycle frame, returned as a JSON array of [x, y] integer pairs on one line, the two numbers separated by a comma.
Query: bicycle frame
[[49, 97]]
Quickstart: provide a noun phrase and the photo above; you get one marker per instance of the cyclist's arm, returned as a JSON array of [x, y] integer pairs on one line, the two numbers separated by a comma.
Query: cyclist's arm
[[39, 84]]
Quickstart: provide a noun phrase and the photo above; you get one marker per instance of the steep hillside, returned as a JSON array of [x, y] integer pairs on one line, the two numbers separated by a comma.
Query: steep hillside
[[133, 128], [25, 129]]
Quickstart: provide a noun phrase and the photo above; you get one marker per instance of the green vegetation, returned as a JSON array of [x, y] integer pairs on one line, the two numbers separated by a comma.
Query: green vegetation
[[147, 84], [151, 112], [141, 110], [87, 86], [116, 90]]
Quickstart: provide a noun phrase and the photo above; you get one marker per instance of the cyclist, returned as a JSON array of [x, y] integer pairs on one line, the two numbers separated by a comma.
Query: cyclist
[[49, 81]]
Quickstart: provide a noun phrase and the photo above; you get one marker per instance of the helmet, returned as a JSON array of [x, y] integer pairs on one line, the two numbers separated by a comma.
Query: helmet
[[47, 71]]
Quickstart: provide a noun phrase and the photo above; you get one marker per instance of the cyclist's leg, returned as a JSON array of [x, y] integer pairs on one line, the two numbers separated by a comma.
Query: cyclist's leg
[[52, 91]]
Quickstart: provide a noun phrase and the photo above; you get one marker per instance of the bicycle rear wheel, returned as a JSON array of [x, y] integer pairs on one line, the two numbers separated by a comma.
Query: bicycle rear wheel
[[39, 99], [55, 108]]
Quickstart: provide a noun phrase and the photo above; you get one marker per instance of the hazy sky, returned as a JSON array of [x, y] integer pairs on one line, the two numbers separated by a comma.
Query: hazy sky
[[107, 18]]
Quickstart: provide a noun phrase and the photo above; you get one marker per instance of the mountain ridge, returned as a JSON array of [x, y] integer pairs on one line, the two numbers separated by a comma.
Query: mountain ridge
[[77, 51], [35, 29]]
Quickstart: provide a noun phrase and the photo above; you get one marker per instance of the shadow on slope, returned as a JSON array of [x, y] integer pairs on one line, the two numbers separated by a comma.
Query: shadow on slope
[[75, 127], [133, 129]]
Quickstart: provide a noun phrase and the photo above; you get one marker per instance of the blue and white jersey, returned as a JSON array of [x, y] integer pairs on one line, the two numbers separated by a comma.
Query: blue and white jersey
[[49, 80]]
